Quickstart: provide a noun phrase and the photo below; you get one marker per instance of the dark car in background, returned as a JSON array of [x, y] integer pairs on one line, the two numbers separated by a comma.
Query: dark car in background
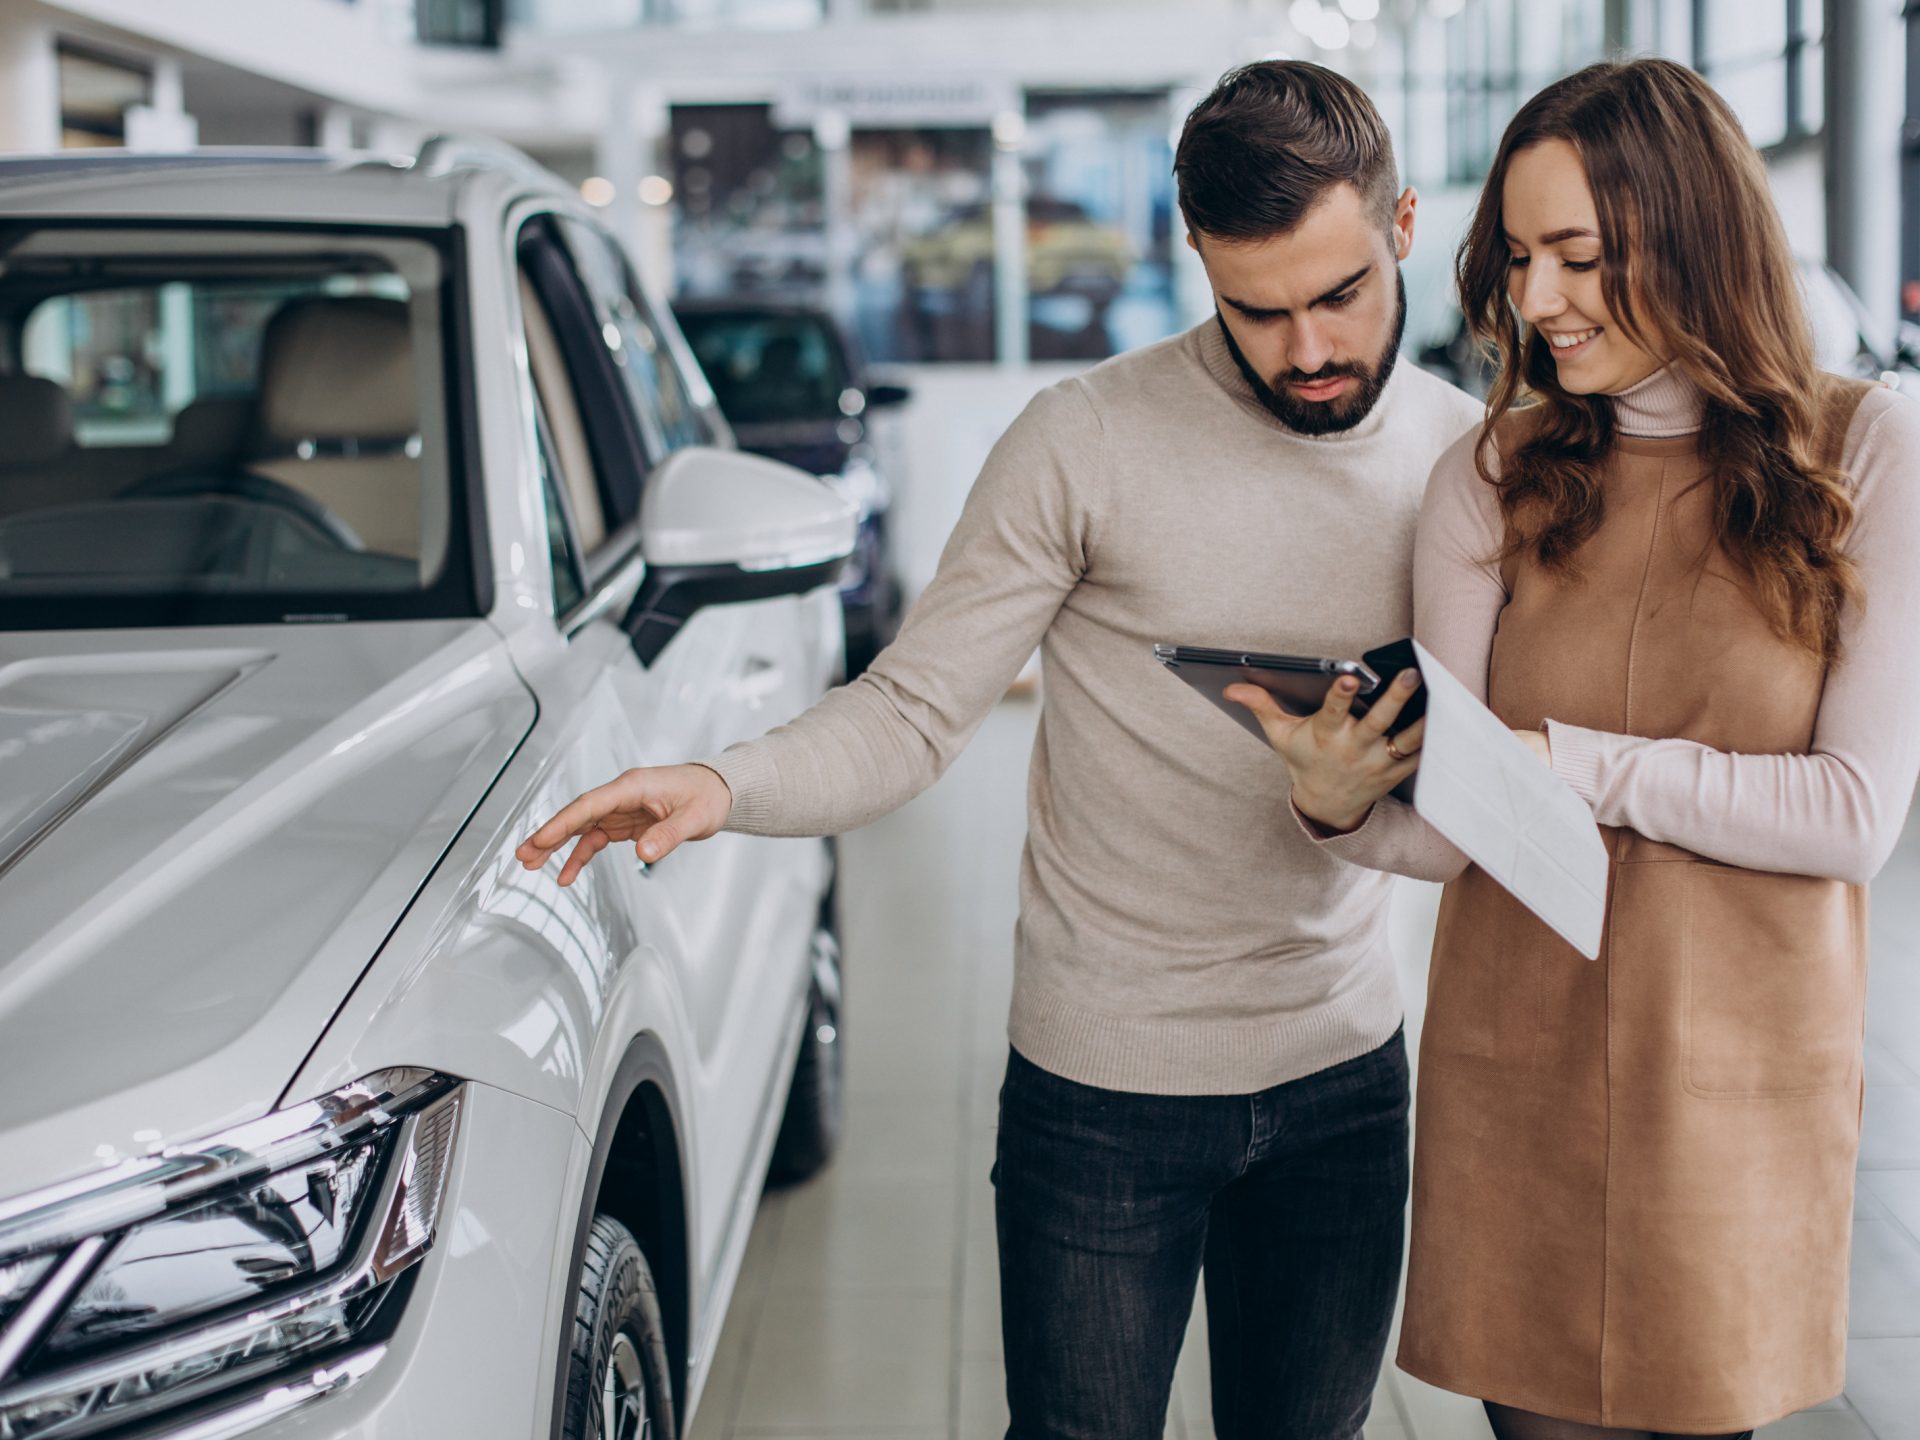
[[794, 387]]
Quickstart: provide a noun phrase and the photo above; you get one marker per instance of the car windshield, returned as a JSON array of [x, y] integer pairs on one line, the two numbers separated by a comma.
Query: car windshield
[[769, 368], [228, 426]]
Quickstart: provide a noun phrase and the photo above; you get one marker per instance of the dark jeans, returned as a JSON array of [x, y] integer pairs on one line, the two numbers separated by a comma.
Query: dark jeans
[[1107, 1202]]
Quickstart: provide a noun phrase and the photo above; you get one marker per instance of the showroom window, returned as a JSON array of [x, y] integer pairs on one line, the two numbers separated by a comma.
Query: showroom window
[[910, 259], [1765, 58], [96, 92]]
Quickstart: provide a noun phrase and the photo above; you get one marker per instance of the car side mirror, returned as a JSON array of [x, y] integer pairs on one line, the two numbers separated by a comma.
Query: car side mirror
[[720, 527], [886, 395]]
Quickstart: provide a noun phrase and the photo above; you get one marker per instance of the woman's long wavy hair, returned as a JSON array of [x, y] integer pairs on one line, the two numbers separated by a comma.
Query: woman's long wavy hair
[[1691, 242]]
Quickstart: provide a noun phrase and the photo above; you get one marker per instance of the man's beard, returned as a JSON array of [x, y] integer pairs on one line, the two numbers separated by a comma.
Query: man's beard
[[1343, 412]]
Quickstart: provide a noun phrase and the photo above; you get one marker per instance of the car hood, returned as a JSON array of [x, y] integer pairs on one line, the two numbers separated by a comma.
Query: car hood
[[205, 836]]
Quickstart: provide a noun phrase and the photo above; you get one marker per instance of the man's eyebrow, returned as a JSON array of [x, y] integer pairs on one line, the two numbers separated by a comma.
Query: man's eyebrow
[[1572, 232], [1261, 312]]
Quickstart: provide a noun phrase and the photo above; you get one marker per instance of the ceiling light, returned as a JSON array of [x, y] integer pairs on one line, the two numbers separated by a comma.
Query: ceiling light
[[1361, 9], [1333, 32], [597, 190], [655, 190]]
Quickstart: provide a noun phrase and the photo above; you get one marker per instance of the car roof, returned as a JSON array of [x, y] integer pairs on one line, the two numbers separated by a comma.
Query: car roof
[[228, 185]]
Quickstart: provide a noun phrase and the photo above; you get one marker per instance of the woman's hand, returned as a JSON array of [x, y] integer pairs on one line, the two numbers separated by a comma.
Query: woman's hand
[[1536, 741], [1340, 765]]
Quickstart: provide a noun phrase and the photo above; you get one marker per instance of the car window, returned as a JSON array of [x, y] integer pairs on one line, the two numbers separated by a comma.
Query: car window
[[770, 368], [219, 427], [565, 431], [669, 414], [569, 570]]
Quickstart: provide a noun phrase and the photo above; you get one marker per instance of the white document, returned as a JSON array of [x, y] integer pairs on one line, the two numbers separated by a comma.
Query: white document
[[1485, 791]]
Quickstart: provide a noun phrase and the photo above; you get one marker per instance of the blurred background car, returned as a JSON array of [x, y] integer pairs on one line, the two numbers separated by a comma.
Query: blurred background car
[[794, 387], [1067, 250], [1073, 260]]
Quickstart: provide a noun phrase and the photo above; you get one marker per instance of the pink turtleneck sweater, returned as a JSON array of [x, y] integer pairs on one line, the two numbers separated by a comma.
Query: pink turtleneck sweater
[[1836, 811]]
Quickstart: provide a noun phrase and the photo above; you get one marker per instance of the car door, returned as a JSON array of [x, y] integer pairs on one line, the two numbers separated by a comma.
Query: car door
[[742, 910]]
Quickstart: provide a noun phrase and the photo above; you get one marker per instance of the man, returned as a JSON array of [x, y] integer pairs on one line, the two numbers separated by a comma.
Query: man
[[1206, 1058]]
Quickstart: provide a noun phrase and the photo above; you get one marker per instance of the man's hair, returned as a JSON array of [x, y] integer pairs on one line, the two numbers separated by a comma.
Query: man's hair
[[1265, 147]]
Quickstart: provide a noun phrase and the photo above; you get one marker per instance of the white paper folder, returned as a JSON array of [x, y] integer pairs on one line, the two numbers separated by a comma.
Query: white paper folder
[[1486, 792]]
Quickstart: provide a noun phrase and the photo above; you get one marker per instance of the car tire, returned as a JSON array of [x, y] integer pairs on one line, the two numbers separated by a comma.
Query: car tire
[[619, 1386], [810, 1129]]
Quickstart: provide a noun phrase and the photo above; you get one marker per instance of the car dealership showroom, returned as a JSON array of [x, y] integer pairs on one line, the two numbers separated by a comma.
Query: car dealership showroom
[[882, 718]]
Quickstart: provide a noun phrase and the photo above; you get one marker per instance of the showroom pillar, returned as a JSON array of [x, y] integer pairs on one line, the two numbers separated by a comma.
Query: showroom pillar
[[1865, 56], [629, 151], [333, 130], [833, 138], [162, 124], [1009, 183], [29, 84]]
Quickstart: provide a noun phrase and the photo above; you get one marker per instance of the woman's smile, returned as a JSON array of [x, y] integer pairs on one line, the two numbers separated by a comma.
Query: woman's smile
[[1569, 344]]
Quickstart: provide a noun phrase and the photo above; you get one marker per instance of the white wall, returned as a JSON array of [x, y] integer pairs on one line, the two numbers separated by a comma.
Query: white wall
[[29, 81]]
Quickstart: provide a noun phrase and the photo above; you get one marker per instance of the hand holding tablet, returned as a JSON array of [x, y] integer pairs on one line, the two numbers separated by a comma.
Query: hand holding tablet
[[1484, 789]]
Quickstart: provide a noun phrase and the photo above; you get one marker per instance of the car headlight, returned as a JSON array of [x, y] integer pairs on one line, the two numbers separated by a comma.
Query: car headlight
[[165, 1282]]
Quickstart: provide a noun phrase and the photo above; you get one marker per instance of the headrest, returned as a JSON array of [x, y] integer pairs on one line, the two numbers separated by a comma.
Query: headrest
[[36, 420], [211, 429], [337, 368]]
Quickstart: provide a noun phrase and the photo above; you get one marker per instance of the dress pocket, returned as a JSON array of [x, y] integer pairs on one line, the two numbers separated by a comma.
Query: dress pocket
[[1776, 982]]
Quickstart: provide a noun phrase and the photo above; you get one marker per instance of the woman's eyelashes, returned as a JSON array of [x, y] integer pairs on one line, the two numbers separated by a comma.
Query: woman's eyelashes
[[1519, 262]]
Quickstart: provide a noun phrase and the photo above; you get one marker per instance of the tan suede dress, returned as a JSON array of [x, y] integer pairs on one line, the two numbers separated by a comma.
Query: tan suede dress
[[1633, 1177]]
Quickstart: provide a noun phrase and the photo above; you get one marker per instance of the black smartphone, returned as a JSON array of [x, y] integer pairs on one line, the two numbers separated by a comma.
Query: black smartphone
[[1298, 683]]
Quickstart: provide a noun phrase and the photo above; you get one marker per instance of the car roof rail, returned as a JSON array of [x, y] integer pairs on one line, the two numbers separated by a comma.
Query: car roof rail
[[443, 153]]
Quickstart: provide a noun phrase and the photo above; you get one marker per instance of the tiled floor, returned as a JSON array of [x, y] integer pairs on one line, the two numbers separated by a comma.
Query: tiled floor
[[868, 1305]]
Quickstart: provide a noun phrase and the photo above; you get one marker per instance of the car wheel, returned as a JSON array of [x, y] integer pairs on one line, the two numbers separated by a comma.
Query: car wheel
[[618, 1385], [810, 1129]]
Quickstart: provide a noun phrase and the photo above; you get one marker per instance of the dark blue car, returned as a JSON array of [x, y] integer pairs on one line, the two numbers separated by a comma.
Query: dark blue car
[[793, 386]]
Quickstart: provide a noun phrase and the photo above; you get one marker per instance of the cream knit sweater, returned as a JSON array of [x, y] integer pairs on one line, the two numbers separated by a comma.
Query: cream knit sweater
[[1179, 934]]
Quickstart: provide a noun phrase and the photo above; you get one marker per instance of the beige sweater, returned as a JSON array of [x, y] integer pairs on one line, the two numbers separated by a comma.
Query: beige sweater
[[1178, 933]]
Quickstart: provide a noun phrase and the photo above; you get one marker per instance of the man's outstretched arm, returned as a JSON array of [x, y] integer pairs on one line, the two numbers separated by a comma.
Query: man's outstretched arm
[[867, 748]]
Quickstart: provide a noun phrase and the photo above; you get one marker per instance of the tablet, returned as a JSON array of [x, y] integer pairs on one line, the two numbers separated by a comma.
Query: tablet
[[1298, 683]]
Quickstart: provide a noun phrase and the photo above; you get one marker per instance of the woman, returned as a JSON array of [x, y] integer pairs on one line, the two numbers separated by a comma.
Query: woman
[[1684, 574]]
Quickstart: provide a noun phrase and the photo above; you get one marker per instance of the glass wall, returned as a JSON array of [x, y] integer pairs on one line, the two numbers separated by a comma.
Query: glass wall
[[1100, 231], [908, 256]]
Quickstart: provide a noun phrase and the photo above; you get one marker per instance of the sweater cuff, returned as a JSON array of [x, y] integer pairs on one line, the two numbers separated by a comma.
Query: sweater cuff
[[750, 775], [1576, 757], [1339, 844]]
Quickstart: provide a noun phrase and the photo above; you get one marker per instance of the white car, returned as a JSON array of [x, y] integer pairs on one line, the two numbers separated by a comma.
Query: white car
[[354, 515]]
